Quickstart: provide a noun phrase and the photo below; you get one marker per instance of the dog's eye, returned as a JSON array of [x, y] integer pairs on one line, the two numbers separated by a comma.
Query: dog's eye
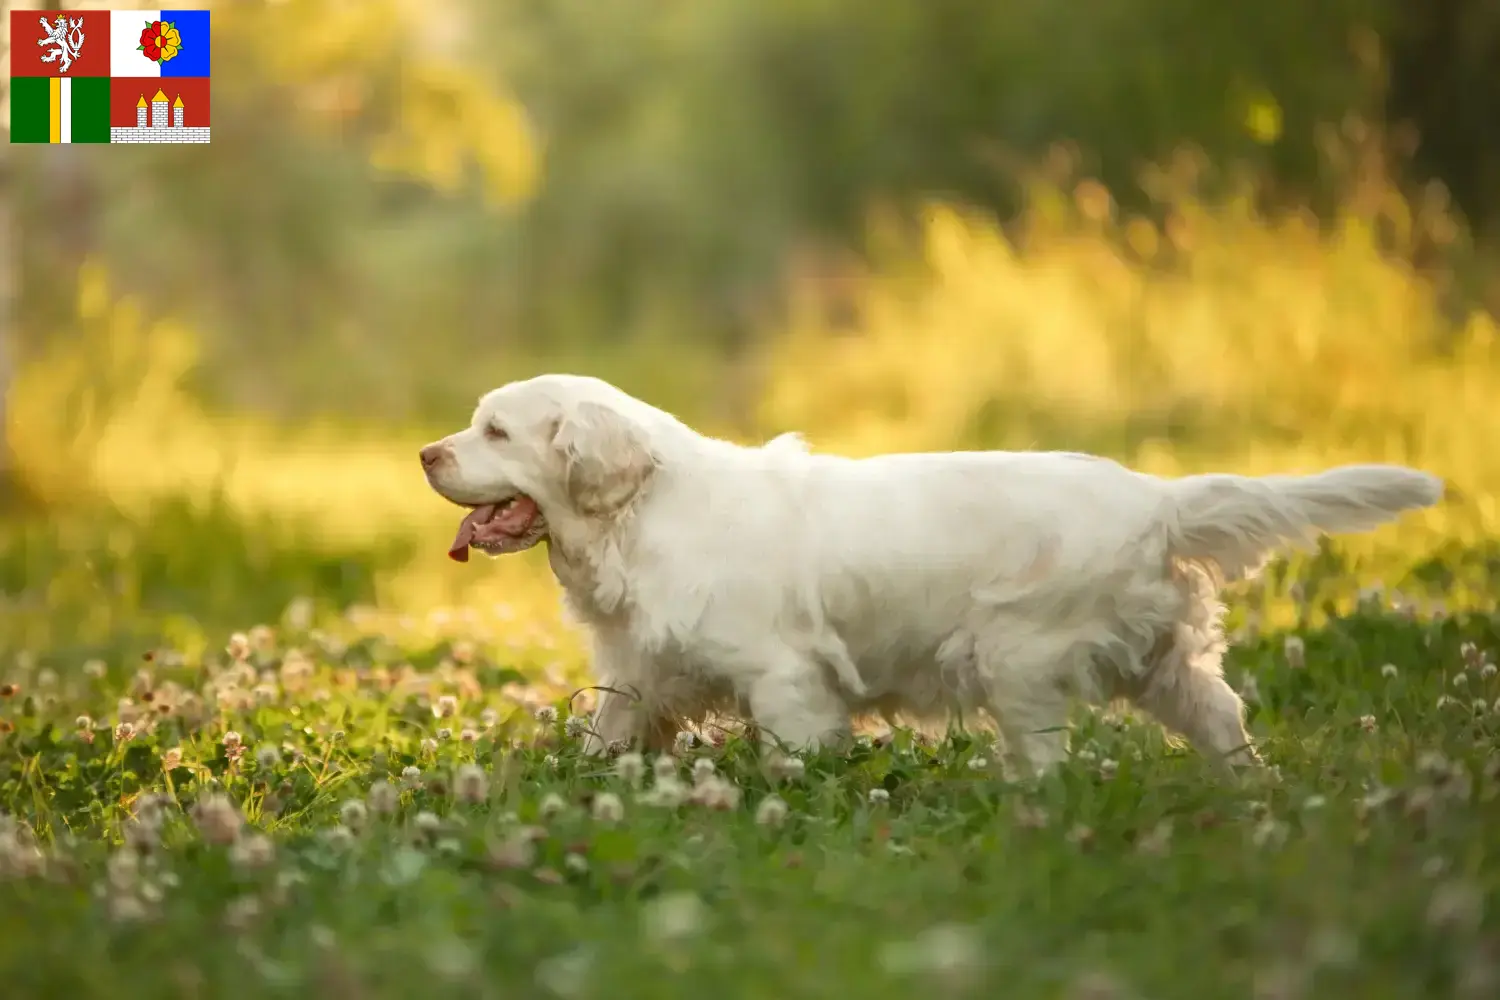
[[495, 433]]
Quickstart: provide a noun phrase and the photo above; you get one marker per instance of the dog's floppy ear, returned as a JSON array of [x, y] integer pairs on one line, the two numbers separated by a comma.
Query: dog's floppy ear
[[606, 458]]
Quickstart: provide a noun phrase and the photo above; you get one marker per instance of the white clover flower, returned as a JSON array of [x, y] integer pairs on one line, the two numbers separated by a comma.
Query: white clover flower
[[218, 819], [338, 837], [1157, 841], [239, 647], [608, 808], [253, 852], [950, 951], [783, 767], [1432, 763], [546, 715], [1250, 689], [353, 814], [668, 793], [715, 792], [771, 812], [1456, 906], [1268, 833], [631, 769], [383, 798], [471, 785], [673, 917], [879, 796]]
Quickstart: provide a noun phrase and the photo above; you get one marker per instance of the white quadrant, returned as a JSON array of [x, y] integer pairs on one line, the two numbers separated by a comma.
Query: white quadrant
[[125, 27]]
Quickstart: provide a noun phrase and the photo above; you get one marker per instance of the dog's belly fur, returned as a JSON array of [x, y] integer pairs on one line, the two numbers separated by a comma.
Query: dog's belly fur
[[1097, 657]]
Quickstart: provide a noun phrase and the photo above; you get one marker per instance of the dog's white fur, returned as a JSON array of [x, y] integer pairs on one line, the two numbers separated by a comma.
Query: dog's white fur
[[801, 589]]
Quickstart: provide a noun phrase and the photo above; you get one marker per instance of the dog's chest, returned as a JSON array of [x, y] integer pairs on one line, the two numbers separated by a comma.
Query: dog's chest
[[675, 666]]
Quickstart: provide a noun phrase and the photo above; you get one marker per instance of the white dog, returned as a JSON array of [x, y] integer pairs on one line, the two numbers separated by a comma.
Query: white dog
[[799, 589]]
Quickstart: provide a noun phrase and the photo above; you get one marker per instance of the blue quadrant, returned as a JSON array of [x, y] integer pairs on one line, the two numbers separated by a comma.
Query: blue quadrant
[[193, 59]]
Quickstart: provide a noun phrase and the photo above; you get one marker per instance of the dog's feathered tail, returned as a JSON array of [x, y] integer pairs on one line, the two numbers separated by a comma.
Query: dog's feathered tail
[[1233, 523]]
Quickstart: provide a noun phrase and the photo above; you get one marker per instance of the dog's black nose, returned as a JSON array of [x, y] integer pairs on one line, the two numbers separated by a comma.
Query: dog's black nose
[[431, 455]]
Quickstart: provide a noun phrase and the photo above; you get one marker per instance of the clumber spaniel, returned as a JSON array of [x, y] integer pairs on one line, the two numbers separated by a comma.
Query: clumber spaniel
[[799, 589]]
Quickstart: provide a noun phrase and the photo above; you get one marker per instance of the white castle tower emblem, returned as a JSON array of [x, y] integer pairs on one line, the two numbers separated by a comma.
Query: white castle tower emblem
[[160, 121]]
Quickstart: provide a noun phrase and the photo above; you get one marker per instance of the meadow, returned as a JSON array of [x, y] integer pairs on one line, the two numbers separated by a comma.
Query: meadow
[[259, 739]]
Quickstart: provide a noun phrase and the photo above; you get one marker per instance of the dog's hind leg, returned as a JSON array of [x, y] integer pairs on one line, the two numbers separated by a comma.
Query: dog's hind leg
[[1183, 686], [1024, 685], [1193, 699], [1034, 722]]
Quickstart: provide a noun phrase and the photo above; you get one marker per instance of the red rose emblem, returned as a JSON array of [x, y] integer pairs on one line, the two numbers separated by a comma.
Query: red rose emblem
[[151, 41]]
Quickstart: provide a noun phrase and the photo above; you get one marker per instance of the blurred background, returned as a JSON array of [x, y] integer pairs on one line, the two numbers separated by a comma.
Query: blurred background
[[1252, 235]]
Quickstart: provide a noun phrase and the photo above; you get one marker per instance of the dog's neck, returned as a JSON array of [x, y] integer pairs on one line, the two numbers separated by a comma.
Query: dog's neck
[[590, 566]]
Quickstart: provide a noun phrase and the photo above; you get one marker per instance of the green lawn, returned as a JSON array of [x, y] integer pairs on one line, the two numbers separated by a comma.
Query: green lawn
[[342, 844]]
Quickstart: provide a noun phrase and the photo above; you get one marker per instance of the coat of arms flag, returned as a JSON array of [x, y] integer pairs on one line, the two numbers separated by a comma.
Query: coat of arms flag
[[125, 76]]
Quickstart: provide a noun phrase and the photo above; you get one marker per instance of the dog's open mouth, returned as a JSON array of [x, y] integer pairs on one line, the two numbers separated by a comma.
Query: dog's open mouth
[[512, 525]]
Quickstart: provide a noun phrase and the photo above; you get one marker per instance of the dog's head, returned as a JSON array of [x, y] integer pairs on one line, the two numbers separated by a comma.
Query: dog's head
[[540, 454]]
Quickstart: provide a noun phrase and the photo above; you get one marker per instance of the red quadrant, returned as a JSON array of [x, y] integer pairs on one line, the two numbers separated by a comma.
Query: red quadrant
[[26, 55], [125, 92]]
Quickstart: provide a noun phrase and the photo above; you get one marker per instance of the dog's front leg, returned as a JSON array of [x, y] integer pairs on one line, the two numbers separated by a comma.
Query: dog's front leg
[[617, 718], [618, 715]]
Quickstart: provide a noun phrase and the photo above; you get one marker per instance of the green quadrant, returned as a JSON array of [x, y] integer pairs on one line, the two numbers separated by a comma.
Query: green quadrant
[[30, 119], [91, 109]]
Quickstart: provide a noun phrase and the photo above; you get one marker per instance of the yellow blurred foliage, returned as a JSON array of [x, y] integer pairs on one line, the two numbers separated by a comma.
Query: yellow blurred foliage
[[1231, 341], [1263, 119], [447, 118]]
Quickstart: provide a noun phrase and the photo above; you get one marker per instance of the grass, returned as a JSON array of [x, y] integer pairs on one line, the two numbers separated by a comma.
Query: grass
[[342, 812], [338, 845]]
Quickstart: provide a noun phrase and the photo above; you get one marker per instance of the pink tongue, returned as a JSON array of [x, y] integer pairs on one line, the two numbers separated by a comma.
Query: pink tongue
[[459, 550]]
